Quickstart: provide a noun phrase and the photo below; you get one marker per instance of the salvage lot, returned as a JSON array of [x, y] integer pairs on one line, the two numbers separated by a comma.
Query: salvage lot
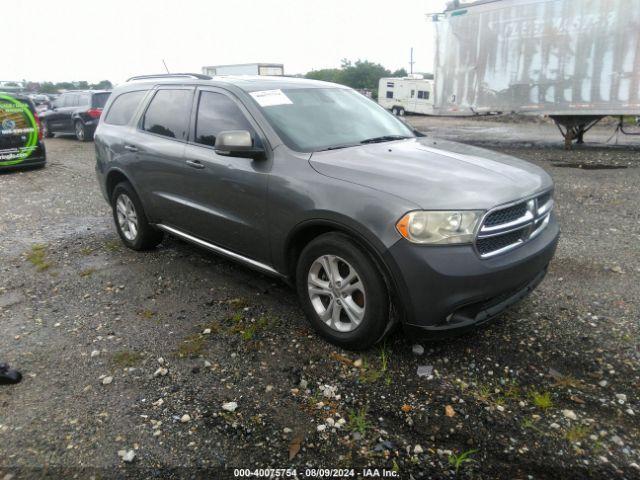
[[126, 351]]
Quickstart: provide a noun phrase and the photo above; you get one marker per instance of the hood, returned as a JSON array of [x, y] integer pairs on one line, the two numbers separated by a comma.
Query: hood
[[435, 174]]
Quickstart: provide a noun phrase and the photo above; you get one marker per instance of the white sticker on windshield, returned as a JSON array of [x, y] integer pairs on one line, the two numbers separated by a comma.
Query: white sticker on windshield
[[271, 98]]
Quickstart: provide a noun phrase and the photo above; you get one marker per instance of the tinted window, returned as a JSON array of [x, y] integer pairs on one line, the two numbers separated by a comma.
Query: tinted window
[[168, 114], [218, 113], [389, 94], [123, 107], [100, 99]]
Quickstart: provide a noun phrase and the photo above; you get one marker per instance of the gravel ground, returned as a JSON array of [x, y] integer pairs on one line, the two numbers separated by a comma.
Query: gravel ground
[[177, 362]]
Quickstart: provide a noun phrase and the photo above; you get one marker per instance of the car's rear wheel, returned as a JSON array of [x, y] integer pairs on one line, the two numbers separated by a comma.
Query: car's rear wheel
[[130, 219], [46, 131], [82, 132], [342, 292]]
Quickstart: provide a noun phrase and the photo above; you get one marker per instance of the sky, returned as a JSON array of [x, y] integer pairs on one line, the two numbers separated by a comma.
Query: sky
[[115, 39]]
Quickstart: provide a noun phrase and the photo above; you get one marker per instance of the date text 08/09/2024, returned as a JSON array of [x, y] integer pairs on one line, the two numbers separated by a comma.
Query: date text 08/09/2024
[[315, 473]]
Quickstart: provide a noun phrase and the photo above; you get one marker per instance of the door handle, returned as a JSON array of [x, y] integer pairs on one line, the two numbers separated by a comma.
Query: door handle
[[131, 148], [195, 163]]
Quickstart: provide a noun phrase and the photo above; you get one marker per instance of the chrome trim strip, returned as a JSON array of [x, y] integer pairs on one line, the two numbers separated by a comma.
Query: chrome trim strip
[[545, 208], [503, 232], [503, 249], [541, 227], [217, 249]]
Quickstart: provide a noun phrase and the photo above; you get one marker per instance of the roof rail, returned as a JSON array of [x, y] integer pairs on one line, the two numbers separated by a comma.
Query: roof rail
[[199, 76]]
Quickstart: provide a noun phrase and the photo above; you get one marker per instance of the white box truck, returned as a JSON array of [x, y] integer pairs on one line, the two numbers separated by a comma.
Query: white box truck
[[406, 95], [276, 69]]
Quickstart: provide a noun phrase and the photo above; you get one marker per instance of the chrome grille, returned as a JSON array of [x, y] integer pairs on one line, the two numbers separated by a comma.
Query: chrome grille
[[505, 228], [505, 215]]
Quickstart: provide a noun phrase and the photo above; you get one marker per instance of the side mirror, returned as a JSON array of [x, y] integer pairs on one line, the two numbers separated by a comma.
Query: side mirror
[[237, 143]]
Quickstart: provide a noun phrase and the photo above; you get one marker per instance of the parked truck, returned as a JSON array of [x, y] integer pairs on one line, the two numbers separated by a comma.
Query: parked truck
[[276, 69], [575, 61], [402, 95]]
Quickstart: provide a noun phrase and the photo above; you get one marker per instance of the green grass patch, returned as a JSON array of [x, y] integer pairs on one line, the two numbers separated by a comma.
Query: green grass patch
[[456, 461], [112, 245], [38, 257], [191, 347], [541, 399], [358, 421], [126, 358], [87, 272], [577, 433]]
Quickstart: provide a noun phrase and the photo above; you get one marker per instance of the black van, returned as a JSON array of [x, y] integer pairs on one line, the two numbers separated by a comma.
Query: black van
[[21, 142]]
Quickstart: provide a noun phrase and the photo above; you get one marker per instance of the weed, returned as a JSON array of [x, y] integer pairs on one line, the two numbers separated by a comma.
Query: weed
[[384, 357], [577, 433], [146, 314], [358, 421], [86, 251], [529, 423], [191, 346], [87, 272], [541, 399], [112, 245], [458, 460], [38, 257], [126, 358]]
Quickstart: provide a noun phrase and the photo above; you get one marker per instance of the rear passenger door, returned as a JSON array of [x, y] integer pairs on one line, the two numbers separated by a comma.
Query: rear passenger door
[[227, 195], [158, 143]]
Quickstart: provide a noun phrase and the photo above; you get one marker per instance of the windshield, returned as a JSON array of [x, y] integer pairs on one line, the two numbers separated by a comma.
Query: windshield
[[312, 119]]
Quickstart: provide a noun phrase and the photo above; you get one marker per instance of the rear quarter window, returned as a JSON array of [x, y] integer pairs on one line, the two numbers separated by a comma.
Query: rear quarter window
[[100, 99], [123, 107]]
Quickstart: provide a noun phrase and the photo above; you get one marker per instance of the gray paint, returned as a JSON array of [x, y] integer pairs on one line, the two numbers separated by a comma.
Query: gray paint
[[560, 57], [253, 207]]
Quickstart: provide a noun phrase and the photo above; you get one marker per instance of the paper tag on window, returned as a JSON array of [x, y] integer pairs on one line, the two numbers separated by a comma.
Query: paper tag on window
[[270, 98]]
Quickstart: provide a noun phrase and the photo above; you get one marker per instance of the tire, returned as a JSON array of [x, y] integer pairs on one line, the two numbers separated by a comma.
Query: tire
[[401, 112], [124, 203], [364, 297], [46, 132], [394, 111], [82, 132]]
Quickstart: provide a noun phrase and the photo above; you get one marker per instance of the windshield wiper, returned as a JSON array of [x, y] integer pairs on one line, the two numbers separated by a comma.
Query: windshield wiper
[[384, 138], [338, 147]]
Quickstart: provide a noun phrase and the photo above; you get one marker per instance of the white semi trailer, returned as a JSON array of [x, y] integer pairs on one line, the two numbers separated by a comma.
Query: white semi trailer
[[576, 61], [406, 95]]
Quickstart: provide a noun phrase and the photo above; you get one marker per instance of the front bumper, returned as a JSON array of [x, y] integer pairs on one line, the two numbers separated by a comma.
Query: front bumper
[[447, 289]]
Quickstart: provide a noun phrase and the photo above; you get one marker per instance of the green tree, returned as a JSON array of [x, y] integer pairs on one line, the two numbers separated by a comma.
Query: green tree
[[361, 74]]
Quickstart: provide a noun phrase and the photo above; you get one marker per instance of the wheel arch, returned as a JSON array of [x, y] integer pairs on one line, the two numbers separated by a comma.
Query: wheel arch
[[307, 231], [114, 177]]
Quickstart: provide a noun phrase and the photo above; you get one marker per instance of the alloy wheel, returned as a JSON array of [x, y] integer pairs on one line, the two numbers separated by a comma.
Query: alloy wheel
[[336, 293], [127, 217], [79, 131]]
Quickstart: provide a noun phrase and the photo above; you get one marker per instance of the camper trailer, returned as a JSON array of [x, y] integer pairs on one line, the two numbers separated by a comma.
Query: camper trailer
[[406, 95]]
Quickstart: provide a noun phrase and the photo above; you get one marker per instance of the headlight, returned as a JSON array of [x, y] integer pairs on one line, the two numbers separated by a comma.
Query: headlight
[[439, 227]]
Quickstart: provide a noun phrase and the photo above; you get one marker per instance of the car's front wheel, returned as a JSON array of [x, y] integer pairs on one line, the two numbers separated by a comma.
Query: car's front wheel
[[342, 292], [130, 219]]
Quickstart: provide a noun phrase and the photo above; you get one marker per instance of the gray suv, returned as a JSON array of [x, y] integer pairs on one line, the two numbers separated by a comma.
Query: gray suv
[[312, 182]]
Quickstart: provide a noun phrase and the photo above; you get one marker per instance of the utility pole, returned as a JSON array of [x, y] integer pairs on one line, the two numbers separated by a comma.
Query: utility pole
[[411, 62]]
